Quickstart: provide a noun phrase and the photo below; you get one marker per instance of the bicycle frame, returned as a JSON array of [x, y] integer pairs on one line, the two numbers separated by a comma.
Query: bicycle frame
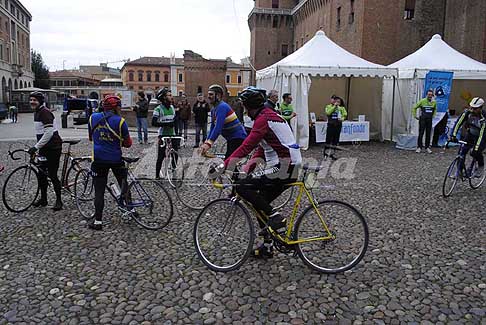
[[287, 238]]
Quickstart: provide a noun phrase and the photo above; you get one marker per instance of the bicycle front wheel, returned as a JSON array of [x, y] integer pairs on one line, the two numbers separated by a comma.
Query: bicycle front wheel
[[150, 203], [284, 198], [175, 169], [84, 193], [476, 182], [333, 240], [20, 189], [451, 177], [223, 235]]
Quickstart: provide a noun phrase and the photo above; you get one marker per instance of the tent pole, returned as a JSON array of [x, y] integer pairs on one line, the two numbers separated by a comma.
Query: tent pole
[[393, 109], [348, 86]]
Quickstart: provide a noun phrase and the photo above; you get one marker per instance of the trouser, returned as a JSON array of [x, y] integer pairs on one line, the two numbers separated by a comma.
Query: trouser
[[177, 122], [48, 168], [201, 127], [261, 190], [100, 179], [333, 132], [161, 154], [231, 146], [425, 125], [14, 117], [183, 128], [471, 142], [142, 127]]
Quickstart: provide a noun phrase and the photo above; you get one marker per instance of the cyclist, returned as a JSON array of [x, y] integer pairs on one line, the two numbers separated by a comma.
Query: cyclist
[[49, 145], [474, 120], [164, 118], [109, 133], [223, 121], [277, 149]]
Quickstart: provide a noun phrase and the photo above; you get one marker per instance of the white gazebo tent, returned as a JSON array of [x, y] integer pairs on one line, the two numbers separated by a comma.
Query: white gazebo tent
[[401, 94], [319, 69]]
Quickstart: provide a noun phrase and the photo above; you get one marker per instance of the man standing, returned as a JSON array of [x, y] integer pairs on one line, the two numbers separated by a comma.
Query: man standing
[[184, 116], [287, 108], [272, 101], [428, 109], [141, 108], [49, 145], [223, 122], [200, 110], [109, 133]]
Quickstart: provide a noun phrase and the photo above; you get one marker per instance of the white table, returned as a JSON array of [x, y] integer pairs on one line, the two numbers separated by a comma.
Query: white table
[[351, 131]]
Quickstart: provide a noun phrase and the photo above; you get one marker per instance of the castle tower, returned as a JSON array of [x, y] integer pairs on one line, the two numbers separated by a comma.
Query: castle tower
[[271, 29]]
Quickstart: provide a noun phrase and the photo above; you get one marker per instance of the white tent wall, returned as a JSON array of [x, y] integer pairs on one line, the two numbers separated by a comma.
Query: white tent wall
[[321, 91], [365, 99]]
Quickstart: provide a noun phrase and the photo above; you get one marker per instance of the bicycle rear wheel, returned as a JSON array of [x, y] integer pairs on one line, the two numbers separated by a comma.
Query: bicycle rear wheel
[[196, 190], [476, 182], [84, 193], [76, 166], [20, 189], [348, 231], [451, 177], [223, 235], [150, 204]]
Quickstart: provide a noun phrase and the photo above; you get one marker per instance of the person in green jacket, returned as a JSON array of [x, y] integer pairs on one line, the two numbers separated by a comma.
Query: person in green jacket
[[286, 107], [428, 109], [336, 114]]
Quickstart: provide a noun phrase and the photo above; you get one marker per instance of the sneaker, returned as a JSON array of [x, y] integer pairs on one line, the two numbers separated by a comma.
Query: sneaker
[[418, 150], [479, 172], [277, 221], [95, 225], [40, 203], [428, 150], [264, 250]]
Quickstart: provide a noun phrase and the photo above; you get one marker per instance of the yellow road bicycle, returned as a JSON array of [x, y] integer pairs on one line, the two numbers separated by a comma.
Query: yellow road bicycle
[[330, 236]]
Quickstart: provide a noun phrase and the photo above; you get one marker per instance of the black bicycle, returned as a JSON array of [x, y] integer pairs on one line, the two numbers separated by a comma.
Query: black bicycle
[[458, 170], [21, 187], [146, 201]]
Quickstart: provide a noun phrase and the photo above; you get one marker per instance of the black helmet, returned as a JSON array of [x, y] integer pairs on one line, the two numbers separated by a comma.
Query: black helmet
[[252, 97], [38, 95], [161, 93], [217, 89]]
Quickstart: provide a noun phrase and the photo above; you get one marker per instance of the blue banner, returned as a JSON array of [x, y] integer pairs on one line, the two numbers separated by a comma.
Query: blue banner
[[441, 83]]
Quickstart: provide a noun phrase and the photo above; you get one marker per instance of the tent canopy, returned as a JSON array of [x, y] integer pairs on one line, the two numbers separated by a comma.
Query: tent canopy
[[322, 57], [438, 55]]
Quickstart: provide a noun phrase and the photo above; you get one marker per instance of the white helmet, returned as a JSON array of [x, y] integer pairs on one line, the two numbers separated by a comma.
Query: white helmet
[[476, 102]]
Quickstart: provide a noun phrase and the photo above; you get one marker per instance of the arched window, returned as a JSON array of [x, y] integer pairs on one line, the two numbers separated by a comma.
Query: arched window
[[166, 77], [157, 76], [130, 76], [149, 76]]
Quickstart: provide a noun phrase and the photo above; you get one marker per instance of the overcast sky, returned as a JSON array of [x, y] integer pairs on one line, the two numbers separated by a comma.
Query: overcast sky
[[93, 31]]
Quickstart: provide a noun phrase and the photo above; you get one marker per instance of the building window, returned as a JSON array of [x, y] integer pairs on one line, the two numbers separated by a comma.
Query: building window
[[228, 79], [285, 50], [239, 79], [409, 10], [180, 77], [140, 76], [275, 22], [1, 51], [338, 21], [351, 14], [66, 83], [130, 76], [157, 77], [275, 4], [149, 76], [166, 77], [140, 88]]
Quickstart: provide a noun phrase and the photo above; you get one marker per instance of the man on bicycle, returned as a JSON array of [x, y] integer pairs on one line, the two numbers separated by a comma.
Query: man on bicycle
[[223, 121], [164, 117], [109, 133], [277, 151], [474, 121], [49, 145]]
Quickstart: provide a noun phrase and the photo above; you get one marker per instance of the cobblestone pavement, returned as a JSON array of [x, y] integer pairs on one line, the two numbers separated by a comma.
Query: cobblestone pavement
[[426, 261]]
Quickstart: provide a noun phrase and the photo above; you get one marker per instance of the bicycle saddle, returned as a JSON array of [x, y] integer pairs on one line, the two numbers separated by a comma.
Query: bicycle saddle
[[71, 142], [130, 160]]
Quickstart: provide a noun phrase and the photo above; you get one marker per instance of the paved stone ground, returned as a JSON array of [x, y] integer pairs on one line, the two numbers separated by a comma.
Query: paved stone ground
[[426, 262]]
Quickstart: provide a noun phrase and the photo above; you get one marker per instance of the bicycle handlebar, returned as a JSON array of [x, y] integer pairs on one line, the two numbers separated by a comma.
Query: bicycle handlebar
[[12, 153]]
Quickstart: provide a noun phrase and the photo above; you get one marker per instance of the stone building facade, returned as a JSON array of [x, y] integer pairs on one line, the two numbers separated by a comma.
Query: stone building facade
[[15, 60], [381, 31], [188, 75]]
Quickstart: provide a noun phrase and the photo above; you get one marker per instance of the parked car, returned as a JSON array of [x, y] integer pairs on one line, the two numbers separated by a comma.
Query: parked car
[[80, 108], [3, 111]]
